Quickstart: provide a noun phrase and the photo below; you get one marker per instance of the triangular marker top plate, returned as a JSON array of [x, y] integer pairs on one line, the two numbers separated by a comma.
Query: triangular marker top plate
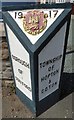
[[50, 15]]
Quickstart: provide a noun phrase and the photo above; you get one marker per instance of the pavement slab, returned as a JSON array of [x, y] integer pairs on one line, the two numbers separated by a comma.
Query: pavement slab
[[12, 107]]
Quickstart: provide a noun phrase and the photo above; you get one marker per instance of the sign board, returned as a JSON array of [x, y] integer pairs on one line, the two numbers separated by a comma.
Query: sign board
[[37, 40]]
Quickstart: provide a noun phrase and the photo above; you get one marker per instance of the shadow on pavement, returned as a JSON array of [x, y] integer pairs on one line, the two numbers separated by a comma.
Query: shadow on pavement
[[67, 84]]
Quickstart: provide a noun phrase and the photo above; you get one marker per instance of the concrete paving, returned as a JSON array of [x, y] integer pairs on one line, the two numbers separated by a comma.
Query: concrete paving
[[62, 109], [12, 107]]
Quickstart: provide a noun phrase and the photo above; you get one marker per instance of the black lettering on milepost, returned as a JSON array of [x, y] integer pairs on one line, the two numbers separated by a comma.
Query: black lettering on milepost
[[51, 68], [24, 63], [49, 75], [42, 91], [50, 61], [20, 71], [49, 81], [49, 87], [23, 84], [46, 89]]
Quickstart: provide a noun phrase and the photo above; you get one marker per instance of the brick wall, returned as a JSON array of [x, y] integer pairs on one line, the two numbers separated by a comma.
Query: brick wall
[[6, 71]]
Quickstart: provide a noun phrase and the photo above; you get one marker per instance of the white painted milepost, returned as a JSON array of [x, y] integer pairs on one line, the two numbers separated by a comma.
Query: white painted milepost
[[37, 41]]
